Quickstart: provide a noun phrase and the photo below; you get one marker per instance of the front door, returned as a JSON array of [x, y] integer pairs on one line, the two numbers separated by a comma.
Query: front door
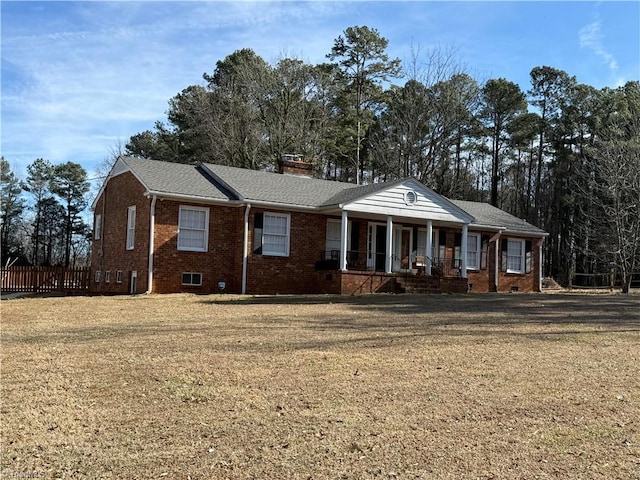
[[376, 247]]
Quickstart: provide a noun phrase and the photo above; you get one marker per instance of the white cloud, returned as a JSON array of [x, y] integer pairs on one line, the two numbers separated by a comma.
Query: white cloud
[[591, 38]]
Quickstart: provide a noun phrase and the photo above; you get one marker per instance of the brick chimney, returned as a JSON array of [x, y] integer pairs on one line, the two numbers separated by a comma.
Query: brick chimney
[[296, 165]]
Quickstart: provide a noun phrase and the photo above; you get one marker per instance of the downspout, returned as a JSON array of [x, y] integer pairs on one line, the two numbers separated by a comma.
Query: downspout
[[245, 255], [497, 260], [540, 265], [152, 225]]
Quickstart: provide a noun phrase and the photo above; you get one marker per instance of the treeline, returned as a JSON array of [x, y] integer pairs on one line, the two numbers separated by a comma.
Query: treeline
[[41, 219], [562, 155]]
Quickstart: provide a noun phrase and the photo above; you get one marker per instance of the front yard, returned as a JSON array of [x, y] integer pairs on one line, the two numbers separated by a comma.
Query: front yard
[[380, 386]]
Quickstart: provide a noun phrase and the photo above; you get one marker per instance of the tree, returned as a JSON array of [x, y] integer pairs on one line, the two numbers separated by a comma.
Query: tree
[[549, 91], [238, 91], [39, 176], [70, 184], [360, 55], [11, 207], [614, 180], [502, 102]]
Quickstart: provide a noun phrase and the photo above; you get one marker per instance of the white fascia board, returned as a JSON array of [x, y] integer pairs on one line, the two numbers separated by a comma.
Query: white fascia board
[[191, 198]]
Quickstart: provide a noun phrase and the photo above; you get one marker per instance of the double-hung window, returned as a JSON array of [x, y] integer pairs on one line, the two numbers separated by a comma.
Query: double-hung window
[[97, 229], [193, 228], [473, 251], [131, 227], [275, 234], [515, 255], [332, 246]]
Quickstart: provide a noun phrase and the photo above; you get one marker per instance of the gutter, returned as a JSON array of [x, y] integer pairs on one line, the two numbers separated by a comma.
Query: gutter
[[245, 246], [152, 224]]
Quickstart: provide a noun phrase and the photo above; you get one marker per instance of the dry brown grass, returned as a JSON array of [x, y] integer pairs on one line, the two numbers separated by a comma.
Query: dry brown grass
[[434, 387]]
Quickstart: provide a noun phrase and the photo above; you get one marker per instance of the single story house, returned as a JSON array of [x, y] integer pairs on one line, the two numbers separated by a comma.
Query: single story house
[[167, 227]]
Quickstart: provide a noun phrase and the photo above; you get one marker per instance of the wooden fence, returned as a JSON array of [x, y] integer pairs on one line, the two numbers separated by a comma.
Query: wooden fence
[[45, 279]]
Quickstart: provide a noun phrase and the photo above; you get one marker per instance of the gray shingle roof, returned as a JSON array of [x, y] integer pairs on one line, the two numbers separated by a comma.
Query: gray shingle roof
[[211, 182], [259, 186], [174, 178], [486, 214]]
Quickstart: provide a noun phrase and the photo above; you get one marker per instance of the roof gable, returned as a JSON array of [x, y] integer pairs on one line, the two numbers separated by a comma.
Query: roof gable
[[408, 198]]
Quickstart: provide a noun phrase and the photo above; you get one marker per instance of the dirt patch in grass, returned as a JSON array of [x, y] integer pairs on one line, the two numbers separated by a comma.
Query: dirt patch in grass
[[296, 387]]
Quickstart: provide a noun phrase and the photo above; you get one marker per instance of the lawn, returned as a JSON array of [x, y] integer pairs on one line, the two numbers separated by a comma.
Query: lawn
[[315, 387]]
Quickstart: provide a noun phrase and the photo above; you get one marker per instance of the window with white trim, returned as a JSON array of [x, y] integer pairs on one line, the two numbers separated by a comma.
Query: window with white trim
[[107, 276], [193, 229], [131, 227], [473, 251], [97, 276], [97, 228], [192, 279], [333, 242], [515, 255], [118, 276], [275, 234]]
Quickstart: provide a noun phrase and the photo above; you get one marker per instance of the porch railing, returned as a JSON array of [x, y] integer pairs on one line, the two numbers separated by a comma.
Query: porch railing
[[356, 260]]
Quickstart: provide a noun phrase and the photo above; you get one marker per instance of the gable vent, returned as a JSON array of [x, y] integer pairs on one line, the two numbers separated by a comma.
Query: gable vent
[[410, 197]]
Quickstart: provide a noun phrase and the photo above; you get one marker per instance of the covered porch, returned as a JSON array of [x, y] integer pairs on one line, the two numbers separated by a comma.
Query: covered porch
[[399, 254]]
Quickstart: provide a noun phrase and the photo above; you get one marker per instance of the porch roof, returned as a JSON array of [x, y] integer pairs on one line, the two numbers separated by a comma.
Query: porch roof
[[487, 215]]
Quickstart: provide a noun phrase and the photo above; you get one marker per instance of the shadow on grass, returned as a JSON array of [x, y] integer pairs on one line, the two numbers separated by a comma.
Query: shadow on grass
[[376, 321]]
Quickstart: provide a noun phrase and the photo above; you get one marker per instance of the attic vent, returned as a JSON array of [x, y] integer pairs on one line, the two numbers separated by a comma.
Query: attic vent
[[410, 197]]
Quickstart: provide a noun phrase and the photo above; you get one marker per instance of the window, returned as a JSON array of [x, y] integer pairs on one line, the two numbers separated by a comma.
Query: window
[[131, 227], [193, 229], [118, 276], [98, 274], [107, 276], [275, 234], [97, 228], [333, 238], [192, 279], [473, 251], [515, 255]]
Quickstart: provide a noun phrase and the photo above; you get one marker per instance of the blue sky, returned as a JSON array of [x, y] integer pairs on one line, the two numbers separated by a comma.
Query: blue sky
[[80, 77]]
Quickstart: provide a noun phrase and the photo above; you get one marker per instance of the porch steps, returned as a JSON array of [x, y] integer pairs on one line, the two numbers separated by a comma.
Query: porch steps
[[418, 284]]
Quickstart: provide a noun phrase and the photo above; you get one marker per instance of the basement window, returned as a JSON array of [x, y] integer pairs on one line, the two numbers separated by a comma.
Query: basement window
[[192, 279]]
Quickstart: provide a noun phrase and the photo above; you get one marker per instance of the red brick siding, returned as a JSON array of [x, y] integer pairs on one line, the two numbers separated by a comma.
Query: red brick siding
[[110, 252], [528, 282], [222, 262], [296, 273]]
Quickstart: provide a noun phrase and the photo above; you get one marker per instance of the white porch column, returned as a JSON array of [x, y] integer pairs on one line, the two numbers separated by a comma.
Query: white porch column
[[428, 248], [389, 252], [343, 241], [463, 251]]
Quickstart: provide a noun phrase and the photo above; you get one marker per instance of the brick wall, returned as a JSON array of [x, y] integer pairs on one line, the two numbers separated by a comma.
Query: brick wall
[[267, 274], [109, 253], [222, 262]]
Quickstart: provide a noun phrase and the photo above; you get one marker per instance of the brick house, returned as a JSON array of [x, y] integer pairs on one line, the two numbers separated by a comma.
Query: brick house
[[165, 227]]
